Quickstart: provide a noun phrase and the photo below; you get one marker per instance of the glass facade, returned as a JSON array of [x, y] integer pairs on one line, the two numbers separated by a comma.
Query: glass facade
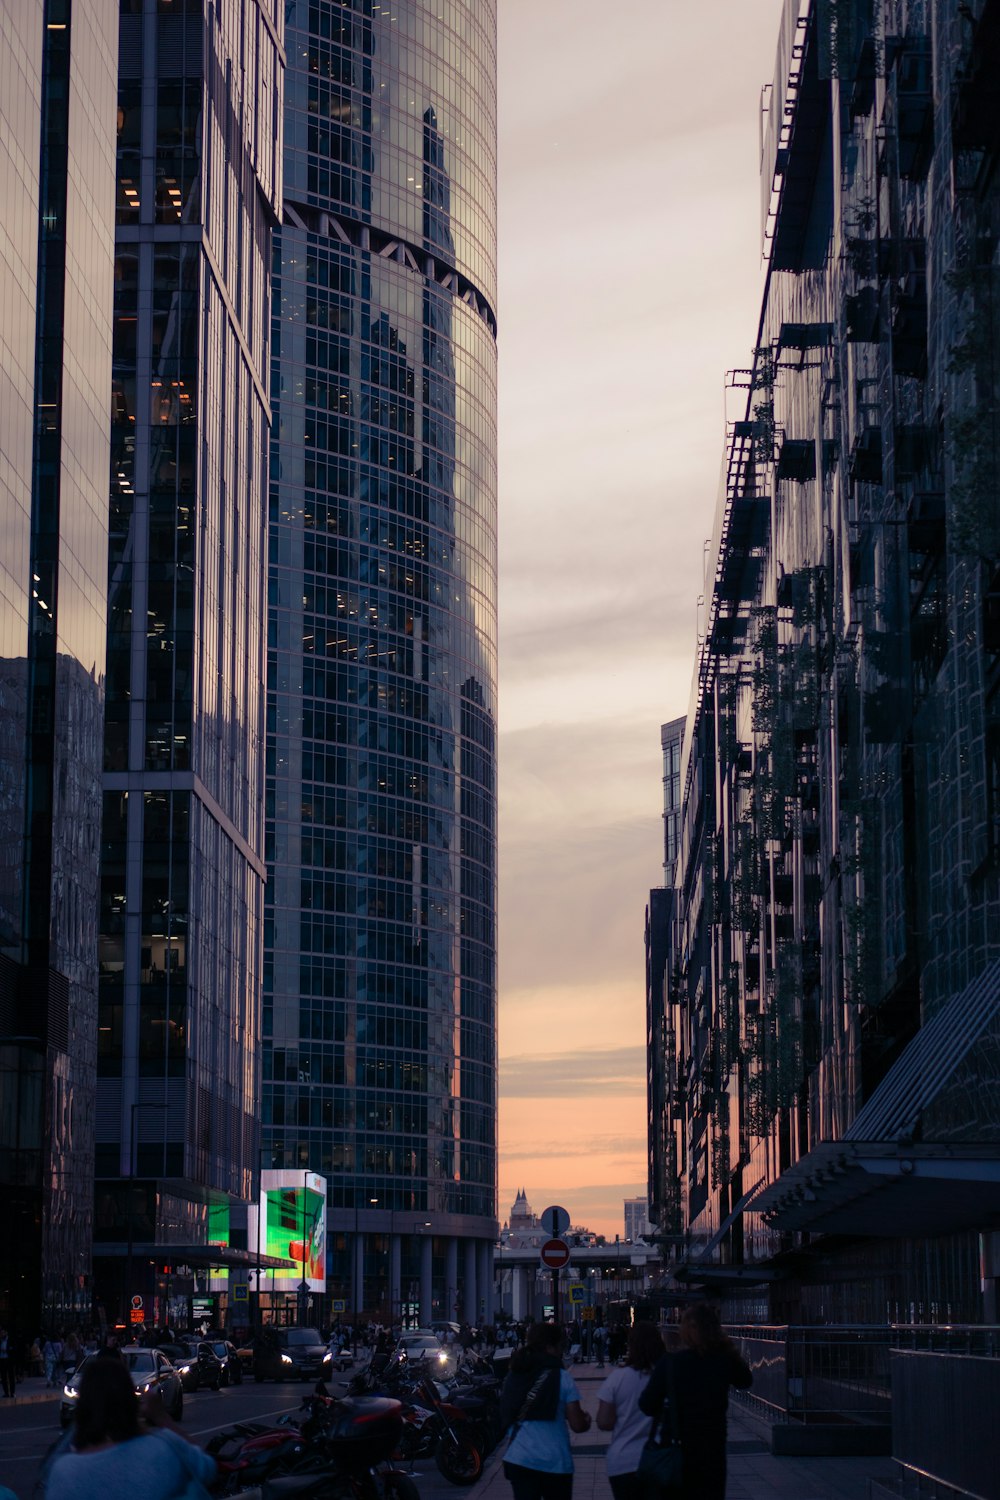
[[380, 964], [57, 177], [197, 194], [837, 880]]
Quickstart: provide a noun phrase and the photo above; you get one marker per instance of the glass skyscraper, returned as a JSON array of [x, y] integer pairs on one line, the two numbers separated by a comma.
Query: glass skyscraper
[[182, 873], [57, 74], [379, 968]]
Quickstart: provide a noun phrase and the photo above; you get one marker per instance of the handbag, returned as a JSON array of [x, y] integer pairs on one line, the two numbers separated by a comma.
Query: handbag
[[526, 1407], [661, 1463]]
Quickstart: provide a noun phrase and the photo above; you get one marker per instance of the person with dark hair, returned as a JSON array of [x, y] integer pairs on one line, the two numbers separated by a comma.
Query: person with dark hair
[[122, 1450], [697, 1378], [8, 1363], [618, 1411], [538, 1400]]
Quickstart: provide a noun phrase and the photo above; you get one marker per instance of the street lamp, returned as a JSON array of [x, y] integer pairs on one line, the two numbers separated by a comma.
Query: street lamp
[[304, 1284]]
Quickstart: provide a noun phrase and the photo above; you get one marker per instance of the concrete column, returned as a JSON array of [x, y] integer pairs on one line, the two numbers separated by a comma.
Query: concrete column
[[470, 1302], [451, 1279], [486, 1281], [358, 1274], [520, 1297], [426, 1281], [395, 1276]]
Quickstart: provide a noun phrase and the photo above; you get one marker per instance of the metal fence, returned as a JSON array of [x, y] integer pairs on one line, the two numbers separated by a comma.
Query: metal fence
[[944, 1419], [818, 1374], [982, 1339]]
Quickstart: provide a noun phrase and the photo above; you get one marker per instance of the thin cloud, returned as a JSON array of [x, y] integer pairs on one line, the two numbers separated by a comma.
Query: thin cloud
[[622, 1070], [623, 1146]]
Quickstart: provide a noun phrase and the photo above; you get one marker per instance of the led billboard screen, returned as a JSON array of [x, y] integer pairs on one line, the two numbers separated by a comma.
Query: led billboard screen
[[293, 1219]]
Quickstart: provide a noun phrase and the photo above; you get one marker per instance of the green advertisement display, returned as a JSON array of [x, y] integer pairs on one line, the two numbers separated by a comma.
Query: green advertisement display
[[295, 1228]]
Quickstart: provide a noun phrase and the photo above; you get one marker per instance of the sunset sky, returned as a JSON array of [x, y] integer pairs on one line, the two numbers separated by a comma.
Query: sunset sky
[[630, 281]]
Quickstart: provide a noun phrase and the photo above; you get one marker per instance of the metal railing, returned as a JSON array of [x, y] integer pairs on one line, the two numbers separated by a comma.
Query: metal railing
[[982, 1339], [944, 1418], [818, 1374]]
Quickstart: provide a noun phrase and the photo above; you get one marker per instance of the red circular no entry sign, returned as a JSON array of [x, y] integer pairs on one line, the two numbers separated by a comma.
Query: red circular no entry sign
[[555, 1254]]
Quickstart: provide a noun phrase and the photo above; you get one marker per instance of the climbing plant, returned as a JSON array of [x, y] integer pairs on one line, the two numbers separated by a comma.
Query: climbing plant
[[762, 406]]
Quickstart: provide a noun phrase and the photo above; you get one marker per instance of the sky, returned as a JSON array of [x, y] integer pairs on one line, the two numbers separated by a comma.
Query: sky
[[630, 281]]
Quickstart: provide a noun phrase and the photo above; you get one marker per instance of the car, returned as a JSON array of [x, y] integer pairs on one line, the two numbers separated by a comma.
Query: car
[[291, 1354], [420, 1346], [150, 1370], [225, 1353], [341, 1357], [198, 1363], [186, 1367]]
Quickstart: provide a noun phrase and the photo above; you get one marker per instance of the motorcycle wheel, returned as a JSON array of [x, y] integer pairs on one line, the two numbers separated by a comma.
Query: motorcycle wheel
[[484, 1437], [393, 1484], [458, 1460]]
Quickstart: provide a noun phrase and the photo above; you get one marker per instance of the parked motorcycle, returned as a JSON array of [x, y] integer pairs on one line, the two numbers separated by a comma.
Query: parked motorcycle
[[341, 1446]]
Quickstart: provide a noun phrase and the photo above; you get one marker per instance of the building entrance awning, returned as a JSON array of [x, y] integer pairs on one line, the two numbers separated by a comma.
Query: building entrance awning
[[886, 1189], [923, 1155], [199, 1255]]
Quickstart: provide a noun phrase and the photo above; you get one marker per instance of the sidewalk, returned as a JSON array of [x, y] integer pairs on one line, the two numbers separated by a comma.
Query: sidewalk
[[754, 1473], [32, 1390]]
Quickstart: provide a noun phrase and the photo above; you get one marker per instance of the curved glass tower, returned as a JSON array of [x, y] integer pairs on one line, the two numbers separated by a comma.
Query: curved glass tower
[[379, 987]]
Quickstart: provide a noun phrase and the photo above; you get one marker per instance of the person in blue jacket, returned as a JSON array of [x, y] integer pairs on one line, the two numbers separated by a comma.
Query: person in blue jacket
[[539, 1402]]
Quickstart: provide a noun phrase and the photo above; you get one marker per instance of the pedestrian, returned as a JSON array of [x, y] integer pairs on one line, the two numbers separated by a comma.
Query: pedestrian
[[113, 1454], [539, 1399], [8, 1368], [599, 1338], [618, 1412], [51, 1357], [72, 1352], [697, 1378]]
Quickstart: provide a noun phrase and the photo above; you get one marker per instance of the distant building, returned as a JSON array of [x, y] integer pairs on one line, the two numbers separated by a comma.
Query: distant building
[[832, 1015], [671, 745], [521, 1216], [662, 1199], [637, 1225]]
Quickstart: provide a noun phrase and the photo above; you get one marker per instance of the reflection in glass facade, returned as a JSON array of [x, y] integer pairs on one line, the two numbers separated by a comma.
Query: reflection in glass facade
[[198, 183], [837, 885], [379, 976], [56, 182]]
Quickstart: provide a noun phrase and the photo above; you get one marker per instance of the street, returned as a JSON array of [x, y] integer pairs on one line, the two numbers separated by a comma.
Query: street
[[28, 1432]]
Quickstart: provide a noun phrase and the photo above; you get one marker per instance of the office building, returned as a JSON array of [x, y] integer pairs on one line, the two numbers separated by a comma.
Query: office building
[[380, 964], [57, 69], [637, 1225], [835, 993], [182, 873], [662, 1203]]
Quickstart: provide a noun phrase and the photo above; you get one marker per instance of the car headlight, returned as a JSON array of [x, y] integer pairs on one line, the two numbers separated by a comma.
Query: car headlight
[[286, 1359], [69, 1394], [327, 1356], [184, 1369]]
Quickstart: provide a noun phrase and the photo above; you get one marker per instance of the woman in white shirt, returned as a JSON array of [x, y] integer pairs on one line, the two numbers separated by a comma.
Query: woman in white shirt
[[618, 1412]]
